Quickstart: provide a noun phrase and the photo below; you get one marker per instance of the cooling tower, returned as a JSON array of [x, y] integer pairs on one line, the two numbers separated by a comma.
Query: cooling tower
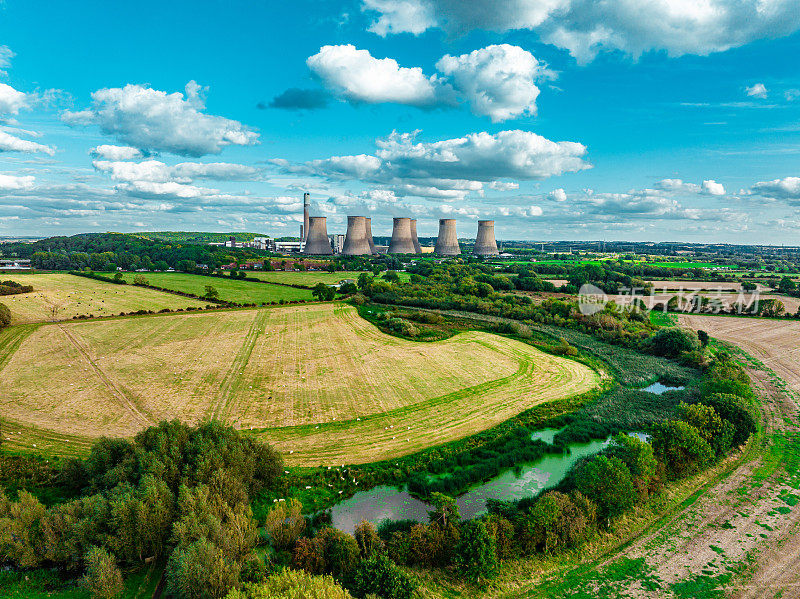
[[414, 240], [485, 245], [317, 242], [372, 249], [447, 242], [306, 208], [356, 243], [401, 242]]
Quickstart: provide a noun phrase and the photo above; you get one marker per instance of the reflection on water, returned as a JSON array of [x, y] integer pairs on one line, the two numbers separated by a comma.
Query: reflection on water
[[658, 388], [525, 480]]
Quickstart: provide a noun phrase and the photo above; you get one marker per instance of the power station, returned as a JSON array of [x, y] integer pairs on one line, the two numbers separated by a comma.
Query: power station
[[358, 241]]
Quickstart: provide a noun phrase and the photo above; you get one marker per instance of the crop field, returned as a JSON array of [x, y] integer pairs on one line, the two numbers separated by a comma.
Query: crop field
[[307, 279], [701, 285], [62, 296], [690, 265], [318, 381], [230, 290]]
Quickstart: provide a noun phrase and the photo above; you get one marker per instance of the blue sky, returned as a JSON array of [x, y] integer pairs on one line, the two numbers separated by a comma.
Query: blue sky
[[561, 119]]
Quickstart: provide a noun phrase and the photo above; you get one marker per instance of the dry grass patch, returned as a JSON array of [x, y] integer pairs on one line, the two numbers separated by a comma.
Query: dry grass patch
[[308, 279], [62, 296], [315, 380]]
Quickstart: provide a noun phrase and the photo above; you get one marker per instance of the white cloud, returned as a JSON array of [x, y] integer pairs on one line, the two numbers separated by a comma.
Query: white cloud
[[15, 182], [559, 195], [5, 59], [10, 143], [713, 188], [757, 91], [185, 172], [107, 152], [791, 94], [359, 77], [529, 212], [12, 100], [150, 119], [451, 168], [498, 81], [585, 27], [504, 185], [787, 188]]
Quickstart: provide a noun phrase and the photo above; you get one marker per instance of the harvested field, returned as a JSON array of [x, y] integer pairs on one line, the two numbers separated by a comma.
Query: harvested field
[[701, 286], [335, 389], [230, 290], [72, 296], [307, 279]]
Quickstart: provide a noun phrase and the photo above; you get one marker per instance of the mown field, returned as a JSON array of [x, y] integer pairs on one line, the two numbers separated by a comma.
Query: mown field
[[307, 279], [60, 296], [319, 382], [230, 290]]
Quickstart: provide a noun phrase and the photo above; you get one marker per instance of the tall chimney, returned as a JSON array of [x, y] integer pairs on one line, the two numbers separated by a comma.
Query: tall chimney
[[317, 242], [356, 242], [414, 240], [401, 242], [371, 242], [306, 208], [447, 242], [485, 244]]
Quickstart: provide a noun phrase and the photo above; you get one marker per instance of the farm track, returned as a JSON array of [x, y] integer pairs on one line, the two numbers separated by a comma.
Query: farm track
[[124, 400]]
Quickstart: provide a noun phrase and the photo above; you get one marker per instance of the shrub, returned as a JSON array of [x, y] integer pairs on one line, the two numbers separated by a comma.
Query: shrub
[[292, 584], [732, 409], [681, 448], [638, 457], [379, 576], [608, 483], [671, 342], [475, 553], [201, 571], [5, 316], [285, 523], [718, 433], [369, 543], [103, 578], [502, 531]]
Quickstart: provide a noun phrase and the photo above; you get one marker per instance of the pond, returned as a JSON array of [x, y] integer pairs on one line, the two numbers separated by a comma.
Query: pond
[[524, 480], [658, 388]]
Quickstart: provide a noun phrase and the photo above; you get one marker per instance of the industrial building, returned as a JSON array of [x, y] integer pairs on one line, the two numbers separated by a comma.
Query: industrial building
[[358, 240]]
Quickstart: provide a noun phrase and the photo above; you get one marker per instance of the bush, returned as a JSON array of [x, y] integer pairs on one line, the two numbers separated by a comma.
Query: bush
[[732, 409], [379, 576], [103, 578], [369, 543], [285, 523], [608, 483], [5, 316], [638, 456], [201, 571], [671, 342], [475, 552], [718, 433], [681, 448], [292, 584]]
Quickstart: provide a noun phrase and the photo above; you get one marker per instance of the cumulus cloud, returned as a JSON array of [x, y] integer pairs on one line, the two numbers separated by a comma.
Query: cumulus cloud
[[11, 143], [585, 27], [107, 152], [559, 195], [15, 182], [155, 171], [504, 185], [757, 91], [711, 187], [358, 76], [299, 99], [12, 100], [451, 168], [787, 188], [154, 120], [498, 81]]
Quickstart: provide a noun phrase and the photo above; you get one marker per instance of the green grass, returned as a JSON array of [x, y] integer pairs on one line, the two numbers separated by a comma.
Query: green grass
[[690, 265], [46, 584], [230, 290], [307, 279], [663, 319]]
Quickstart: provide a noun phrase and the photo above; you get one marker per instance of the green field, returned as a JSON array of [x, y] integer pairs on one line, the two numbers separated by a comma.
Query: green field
[[60, 296], [689, 265], [318, 381], [307, 279], [230, 290]]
